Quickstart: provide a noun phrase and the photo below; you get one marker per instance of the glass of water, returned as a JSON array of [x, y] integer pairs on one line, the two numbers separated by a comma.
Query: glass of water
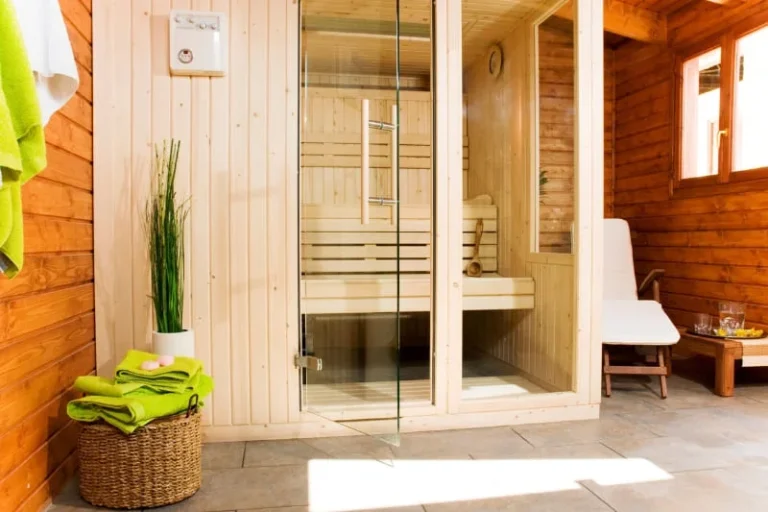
[[731, 316], [702, 323]]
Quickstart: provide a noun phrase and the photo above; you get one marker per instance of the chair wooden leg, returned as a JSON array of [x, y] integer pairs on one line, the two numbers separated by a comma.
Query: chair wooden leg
[[663, 377], [669, 361], [606, 364]]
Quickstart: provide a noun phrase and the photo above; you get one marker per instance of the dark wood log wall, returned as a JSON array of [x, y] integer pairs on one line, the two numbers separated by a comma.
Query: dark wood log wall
[[713, 247], [46, 313], [557, 128]]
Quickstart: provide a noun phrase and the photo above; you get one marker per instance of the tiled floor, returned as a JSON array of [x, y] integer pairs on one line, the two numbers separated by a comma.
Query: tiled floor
[[691, 452]]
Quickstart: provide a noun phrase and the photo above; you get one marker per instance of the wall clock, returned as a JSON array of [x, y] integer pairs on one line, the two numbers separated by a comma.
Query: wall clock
[[495, 60]]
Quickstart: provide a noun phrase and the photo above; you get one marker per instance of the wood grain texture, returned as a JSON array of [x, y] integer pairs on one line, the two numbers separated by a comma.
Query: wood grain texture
[[712, 245], [46, 312]]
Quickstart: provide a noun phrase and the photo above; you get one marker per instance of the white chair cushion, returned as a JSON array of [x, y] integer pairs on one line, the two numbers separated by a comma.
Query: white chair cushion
[[619, 268], [637, 322]]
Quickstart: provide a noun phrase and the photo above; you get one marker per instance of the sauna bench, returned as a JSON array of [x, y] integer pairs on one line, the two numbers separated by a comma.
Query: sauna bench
[[360, 293]]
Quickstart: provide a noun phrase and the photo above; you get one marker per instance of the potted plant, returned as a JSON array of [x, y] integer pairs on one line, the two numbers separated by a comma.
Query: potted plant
[[165, 220]]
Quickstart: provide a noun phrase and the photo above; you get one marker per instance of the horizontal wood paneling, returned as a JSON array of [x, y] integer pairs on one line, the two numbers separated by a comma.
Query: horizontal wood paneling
[[556, 136], [46, 312], [26, 437], [713, 247]]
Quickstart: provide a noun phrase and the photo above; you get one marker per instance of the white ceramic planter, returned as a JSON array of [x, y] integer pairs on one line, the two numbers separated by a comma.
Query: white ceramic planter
[[174, 343]]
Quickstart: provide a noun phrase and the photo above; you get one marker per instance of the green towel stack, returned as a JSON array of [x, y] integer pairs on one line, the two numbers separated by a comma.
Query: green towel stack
[[136, 397], [22, 142]]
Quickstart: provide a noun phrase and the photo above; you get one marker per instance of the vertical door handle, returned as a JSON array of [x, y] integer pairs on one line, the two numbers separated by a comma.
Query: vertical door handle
[[395, 162], [365, 163]]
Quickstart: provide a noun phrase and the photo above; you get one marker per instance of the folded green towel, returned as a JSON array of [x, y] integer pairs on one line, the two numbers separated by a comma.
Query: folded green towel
[[176, 378], [22, 142], [136, 409], [93, 385]]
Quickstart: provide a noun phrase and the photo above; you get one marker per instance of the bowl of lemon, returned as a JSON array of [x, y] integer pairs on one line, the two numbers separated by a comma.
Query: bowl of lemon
[[750, 333]]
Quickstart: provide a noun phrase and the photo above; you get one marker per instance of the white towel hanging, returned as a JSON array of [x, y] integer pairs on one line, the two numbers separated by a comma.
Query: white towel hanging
[[50, 53]]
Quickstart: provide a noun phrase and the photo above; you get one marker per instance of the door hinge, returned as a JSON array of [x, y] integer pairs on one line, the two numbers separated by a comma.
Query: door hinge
[[308, 362]]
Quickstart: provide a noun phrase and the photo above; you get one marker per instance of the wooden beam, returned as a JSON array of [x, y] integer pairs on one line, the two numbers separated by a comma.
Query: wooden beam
[[628, 21]]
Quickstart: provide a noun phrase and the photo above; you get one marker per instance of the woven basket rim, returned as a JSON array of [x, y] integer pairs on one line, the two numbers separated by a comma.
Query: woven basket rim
[[154, 424]]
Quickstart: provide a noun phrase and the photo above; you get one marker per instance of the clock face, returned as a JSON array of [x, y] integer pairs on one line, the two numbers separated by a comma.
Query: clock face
[[495, 60]]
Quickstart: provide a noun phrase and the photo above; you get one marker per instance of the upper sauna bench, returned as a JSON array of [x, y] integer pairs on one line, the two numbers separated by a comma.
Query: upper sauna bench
[[349, 267]]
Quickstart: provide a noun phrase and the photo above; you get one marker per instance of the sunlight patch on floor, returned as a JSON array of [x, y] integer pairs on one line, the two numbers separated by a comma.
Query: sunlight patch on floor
[[343, 485]]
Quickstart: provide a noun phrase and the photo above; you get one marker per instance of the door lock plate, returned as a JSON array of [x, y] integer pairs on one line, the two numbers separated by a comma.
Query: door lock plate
[[308, 362]]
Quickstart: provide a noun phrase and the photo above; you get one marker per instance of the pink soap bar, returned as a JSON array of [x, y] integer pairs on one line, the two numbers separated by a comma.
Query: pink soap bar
[[150, 365], [165, 360]]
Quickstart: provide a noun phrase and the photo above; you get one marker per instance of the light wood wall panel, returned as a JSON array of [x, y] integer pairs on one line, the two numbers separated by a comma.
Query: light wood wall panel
[[538, 342], [710, 246], [238, 167], [46, 312]]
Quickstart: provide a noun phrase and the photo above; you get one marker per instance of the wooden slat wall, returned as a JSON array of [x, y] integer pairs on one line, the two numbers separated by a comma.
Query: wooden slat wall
[[238, 164], [331, 112], [556, 152], [610, 128], [711, 247], [557, 119], [46, 312]]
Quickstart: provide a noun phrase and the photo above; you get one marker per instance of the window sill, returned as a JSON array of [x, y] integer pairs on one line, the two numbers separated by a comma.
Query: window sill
[[738, 182]]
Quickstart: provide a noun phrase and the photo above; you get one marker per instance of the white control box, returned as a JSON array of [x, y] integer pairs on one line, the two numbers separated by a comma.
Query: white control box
[[198, 43]]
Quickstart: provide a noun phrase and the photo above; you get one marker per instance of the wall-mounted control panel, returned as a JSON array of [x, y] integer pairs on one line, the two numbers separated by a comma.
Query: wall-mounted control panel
[[198, 43]]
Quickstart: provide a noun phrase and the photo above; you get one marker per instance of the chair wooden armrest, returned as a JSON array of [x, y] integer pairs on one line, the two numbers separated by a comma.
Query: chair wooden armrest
[[652, 279]]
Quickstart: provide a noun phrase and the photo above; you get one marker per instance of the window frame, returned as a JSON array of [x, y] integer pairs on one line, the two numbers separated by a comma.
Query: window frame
[[726, 180]]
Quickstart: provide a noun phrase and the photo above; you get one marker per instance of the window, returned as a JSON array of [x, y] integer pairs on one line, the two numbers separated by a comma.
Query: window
[[723, 114]]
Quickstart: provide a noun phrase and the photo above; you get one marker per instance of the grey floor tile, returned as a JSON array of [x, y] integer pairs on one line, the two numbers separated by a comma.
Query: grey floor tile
[[577, 500], [718, 490], [280, 453], [706, 426], [278, 509], [247, 488], [581, 432], [674, 454], [223, 455], [69, 500], [353, 447], [501, 442], [579, 452]]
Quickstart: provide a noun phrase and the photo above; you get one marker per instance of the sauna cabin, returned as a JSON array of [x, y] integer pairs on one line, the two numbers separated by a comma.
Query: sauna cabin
[[390, 223]]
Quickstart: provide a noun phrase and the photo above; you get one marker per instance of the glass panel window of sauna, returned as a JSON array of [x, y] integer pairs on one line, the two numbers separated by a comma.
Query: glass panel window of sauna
[[700, 123], [750, 102]]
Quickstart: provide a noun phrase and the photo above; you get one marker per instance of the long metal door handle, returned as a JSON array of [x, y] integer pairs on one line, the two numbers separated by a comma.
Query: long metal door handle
[[365, 163], [381, 201], [395, 163]]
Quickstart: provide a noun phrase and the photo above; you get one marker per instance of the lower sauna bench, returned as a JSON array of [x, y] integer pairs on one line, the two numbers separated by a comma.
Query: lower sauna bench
[[360, 293]]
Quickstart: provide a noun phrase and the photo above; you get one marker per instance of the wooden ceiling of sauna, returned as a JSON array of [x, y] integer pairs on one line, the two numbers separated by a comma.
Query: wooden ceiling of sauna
[[357, 36]]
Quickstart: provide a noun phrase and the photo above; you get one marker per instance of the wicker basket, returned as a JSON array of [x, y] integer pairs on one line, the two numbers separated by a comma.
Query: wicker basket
[[158, 465]]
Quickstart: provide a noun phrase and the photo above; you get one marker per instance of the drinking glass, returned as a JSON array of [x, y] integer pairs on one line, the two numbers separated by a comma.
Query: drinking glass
[[731, 316], [702, 323]]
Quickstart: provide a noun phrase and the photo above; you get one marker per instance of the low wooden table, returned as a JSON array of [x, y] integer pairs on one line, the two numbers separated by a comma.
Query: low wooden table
[[725, 351]]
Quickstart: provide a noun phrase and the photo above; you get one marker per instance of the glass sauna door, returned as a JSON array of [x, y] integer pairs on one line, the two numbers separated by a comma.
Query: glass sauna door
[[350, 213]]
